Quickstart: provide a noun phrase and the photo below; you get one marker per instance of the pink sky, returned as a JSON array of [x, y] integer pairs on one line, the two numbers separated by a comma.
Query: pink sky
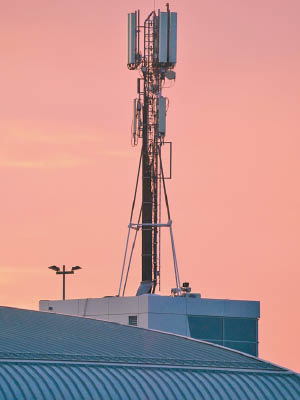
[[67, 169]]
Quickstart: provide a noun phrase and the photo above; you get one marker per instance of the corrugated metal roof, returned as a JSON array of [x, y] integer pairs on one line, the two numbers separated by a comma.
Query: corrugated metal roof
[[84, 382], [52, 356], [42, 335]]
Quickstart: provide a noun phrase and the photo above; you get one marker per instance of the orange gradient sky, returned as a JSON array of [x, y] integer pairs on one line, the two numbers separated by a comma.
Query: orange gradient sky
[[67, 169]]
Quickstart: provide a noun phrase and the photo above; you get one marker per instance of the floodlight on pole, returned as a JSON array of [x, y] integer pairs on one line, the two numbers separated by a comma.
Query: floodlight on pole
[[64, 273], [54, 268]]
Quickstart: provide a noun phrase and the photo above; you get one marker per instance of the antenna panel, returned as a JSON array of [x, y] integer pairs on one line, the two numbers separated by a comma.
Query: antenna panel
[[162, 116], [173, 38], [131, 39], [163, 38], [134, 118], [167, 53]]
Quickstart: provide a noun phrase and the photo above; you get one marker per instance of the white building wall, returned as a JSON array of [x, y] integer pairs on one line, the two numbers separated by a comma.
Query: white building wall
[[113, 309], [163, 313]]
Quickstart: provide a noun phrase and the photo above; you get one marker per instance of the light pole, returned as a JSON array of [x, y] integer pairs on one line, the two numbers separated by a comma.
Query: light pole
[[64, 273]]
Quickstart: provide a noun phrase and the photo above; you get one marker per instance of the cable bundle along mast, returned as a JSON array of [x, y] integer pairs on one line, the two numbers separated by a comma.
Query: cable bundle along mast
[[155, 63]]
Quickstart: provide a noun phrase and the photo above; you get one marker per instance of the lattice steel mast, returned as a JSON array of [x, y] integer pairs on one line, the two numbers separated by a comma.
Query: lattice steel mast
[[154, 64]]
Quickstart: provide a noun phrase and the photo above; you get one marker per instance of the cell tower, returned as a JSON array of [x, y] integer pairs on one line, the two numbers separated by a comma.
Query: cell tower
[[155, 64]]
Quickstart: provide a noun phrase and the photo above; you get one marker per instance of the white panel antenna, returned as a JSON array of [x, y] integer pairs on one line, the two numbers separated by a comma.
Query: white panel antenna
[[162, 116], [134, 118], [132, 39], [163, 37], [173, 38]]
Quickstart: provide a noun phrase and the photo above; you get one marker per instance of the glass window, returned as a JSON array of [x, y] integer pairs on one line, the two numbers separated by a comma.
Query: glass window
[[206, 327], [240, 329], [132, 320], [245, 347]]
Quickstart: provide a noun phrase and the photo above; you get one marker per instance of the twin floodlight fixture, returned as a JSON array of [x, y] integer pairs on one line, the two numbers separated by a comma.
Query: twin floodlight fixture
[[58, 271], [64, 272], [160, 55]]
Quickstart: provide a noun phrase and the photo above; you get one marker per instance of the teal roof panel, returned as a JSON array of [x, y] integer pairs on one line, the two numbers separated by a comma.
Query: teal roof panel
[[91, 382], [47, 356], [41, 335]]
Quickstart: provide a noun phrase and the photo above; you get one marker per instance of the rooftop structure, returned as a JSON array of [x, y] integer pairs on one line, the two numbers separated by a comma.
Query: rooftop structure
[[152, 52], [50, 356], [230, 323]]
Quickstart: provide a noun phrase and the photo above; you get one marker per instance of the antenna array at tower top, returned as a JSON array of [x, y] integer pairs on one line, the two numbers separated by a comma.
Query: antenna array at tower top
[[164, 50]]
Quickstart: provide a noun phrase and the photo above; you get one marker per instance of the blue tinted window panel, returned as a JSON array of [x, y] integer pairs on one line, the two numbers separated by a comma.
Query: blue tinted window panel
[[245, 347], [206, 327], [244, 329], [173, 38], [163, 37]]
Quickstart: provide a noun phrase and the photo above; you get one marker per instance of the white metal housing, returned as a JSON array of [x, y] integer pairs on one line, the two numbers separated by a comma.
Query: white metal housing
[[131, 38], [163, 37], [167, 53], [162, 116], [134, 118], [173, 38]]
